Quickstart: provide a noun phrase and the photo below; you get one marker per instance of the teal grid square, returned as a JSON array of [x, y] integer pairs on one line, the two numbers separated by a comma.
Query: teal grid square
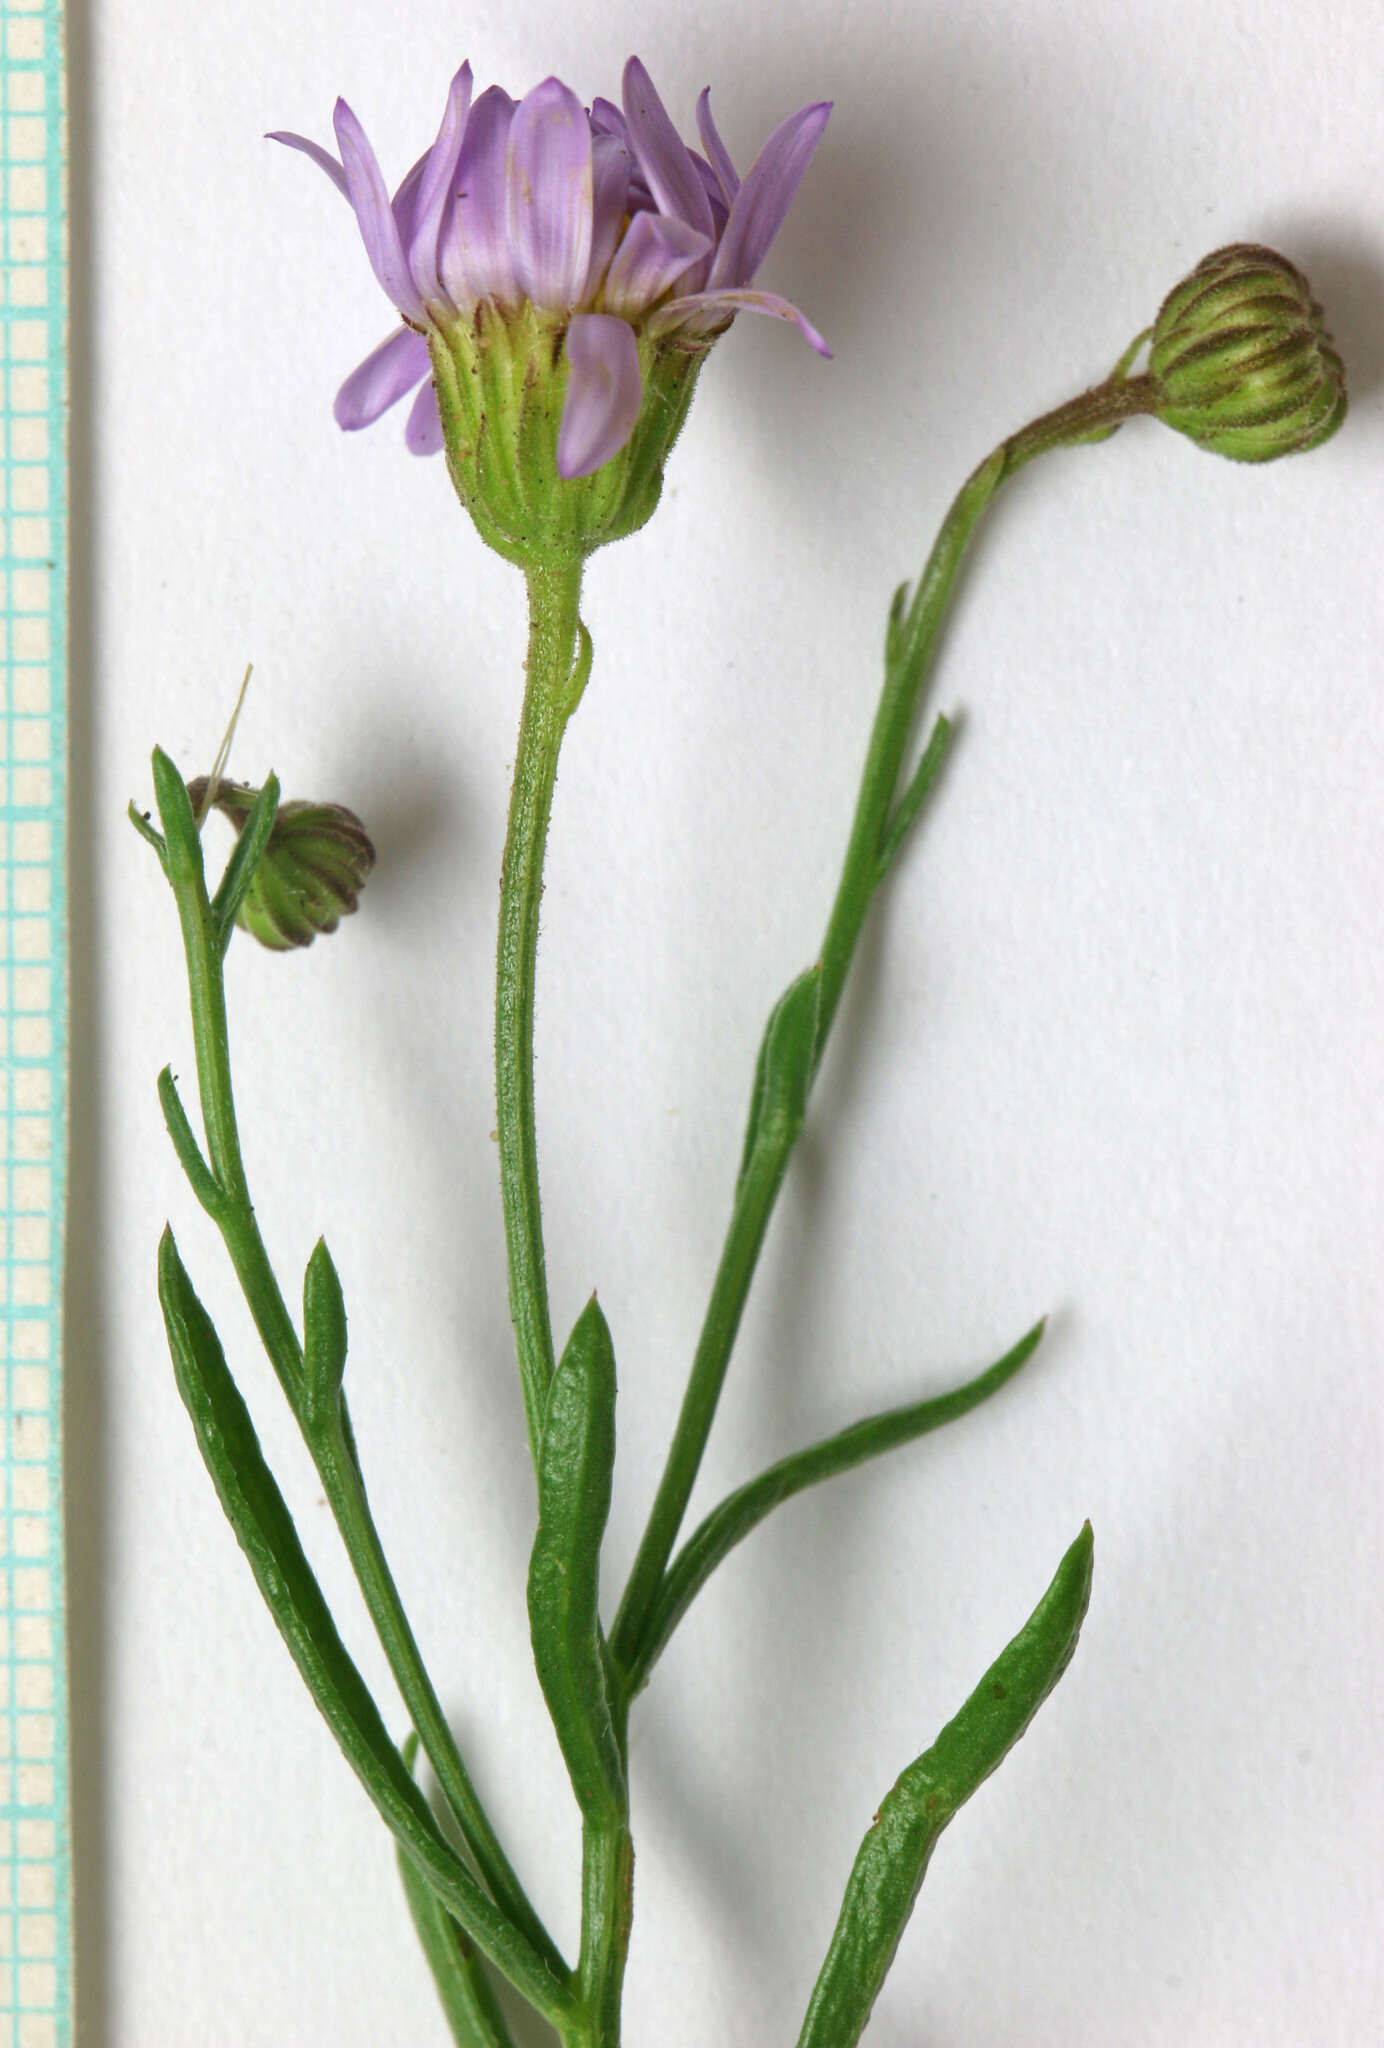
[[35, 1887]]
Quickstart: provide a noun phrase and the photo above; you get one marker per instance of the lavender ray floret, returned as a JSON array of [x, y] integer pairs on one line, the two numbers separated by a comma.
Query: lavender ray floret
[[727, 176], [663, 157], [381, 380], [604, 392], [656, 251], [423, 429], [610, 182], [473, 259], [548, 182], [766, 195], [365, 187], [405, 200], [702, 312], [606, 119], [711, 185], [323, 158], [436, 186]]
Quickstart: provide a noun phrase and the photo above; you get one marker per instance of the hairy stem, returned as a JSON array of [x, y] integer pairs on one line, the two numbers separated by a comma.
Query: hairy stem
[[552, 685]]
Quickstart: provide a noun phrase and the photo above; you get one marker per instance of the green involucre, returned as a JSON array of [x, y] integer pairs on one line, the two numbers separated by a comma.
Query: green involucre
[[297, 869], [1241, 360], [501, 382]]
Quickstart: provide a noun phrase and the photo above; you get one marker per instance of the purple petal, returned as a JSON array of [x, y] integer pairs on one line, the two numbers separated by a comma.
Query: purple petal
[[381, 380], [323, 158], [655, 252], [671, 174], [436, 186], [423, 433], [606, 119], [711, 185], [726, 174], [700, 312], [365, 188], [604, 392], [610, 174], [474, 259], [549, 184], [405, 200], [766, 195]]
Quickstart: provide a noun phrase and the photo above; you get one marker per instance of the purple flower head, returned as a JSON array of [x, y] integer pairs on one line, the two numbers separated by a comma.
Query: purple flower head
[[601, 221]]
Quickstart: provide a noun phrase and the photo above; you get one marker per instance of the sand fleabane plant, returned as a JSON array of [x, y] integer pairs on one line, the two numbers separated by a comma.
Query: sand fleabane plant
[[560, 274]]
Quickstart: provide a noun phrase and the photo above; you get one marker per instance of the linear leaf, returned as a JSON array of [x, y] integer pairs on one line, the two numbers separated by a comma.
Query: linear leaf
[[920, 788], [894, 1855], [252, 838], [465, 1991], [784, 1066], [575, 1466], [324, 1339], [182, 841], [458, 1972], [145, 828], [732, 1519], [201, 1179], [259, 1515]]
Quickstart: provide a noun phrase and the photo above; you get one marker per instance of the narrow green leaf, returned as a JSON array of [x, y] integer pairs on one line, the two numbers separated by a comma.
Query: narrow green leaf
[[464, 1990], [790, 1052], [581, 671], [202, 1180], [183, 843], [575, 1465], [145, 828], [466, 1993], [1126, 361], [897, 609], [920, 788], [756, 1103], [259, 1515], [252, 838], [894, 1855], [324, 1340], [732, 1519], [784, 1068]]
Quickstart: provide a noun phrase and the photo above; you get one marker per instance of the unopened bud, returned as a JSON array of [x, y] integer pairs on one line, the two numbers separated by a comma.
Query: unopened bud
[[311, 872], [1240, 361]]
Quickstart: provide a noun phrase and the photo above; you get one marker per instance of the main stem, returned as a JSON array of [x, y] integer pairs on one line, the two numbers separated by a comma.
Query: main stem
[[607, 1906], [549, 700], [912, 647], [557, 659]]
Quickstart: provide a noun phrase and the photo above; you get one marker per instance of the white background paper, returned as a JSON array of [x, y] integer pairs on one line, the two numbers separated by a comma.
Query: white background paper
[[1112, 1048]]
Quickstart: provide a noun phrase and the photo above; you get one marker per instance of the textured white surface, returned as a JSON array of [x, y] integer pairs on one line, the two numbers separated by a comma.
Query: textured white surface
[[1113, 1047]]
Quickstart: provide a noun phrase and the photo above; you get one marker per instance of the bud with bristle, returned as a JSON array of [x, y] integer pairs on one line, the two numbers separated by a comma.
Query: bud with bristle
[[1240, 360], [311, 872]]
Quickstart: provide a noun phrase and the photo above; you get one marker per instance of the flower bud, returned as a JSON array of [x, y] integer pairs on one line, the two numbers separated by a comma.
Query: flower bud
[[311, 872], [1241, 362]]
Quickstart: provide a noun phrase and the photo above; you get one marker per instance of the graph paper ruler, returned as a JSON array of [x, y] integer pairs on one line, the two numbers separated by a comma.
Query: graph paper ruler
[[35, 1890]]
